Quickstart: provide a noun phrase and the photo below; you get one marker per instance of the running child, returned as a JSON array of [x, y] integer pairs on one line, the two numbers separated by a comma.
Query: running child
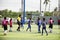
[[51, 24], [5, 23], [19, 22], [29, 25], [39, 24], [10, 22], [44, 26]]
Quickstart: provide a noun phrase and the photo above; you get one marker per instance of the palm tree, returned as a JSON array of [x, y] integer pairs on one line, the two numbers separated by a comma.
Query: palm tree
[[46, 3]]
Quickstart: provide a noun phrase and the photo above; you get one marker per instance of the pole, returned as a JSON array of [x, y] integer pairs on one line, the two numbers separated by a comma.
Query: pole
[[40, 7], [23, 10], [24, 14]]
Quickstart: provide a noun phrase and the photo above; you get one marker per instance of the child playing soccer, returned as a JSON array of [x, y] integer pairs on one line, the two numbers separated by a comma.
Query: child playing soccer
[[5, 22], [19, 22], [51, 25], [10, 25], [29, 25], [39, 25], [44, 26]]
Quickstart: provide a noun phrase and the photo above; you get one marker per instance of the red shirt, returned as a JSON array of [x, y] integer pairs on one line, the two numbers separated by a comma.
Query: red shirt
[[11, 22], [58, 21]]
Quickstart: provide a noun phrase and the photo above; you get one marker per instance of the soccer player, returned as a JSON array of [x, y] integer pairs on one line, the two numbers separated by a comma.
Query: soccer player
[[10, 25], [29, 25], [39, 24], [19, 22], [5, 23], [51, 24], [44, 26]]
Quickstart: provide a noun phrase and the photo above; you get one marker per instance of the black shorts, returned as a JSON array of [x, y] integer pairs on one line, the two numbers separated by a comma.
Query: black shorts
[[51, 26], [44, 28], [58, 23], [5, 27], [18, 23]]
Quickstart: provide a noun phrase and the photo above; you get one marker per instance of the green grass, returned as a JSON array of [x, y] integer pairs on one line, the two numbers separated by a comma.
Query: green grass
[[23, 35]]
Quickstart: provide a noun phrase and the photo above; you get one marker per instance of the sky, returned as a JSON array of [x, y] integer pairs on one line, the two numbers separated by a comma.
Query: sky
[[31, 5]]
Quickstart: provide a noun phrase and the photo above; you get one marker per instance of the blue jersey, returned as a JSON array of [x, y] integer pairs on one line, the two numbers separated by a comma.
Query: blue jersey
[[29, 22], [21, 20], [39, 22]]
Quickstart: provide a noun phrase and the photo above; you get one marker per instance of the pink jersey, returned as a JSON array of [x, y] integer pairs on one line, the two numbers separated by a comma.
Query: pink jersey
[[51, 21], [4, 22]]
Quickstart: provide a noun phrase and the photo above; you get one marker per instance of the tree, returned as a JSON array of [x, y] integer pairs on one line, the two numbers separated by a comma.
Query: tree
[[46, 3], [47, 13], [5, 12], [55, 9], [55, 12]]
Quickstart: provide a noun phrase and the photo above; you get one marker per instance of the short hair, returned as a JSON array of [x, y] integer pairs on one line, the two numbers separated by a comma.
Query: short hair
[[43, 19], [11, 19], [19, 15], [30, 18], [50, 18], [4, 17], [38, 18]]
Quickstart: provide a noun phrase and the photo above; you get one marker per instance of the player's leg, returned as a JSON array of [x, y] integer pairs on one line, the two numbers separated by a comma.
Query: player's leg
[[18, 29], [5, 29], [46, 31], [27, 29], [42, 31], [30, 28], [51, 28], [38, 28]]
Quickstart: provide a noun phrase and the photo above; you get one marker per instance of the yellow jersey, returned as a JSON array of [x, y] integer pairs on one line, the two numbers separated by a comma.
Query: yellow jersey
[[19, 18]]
